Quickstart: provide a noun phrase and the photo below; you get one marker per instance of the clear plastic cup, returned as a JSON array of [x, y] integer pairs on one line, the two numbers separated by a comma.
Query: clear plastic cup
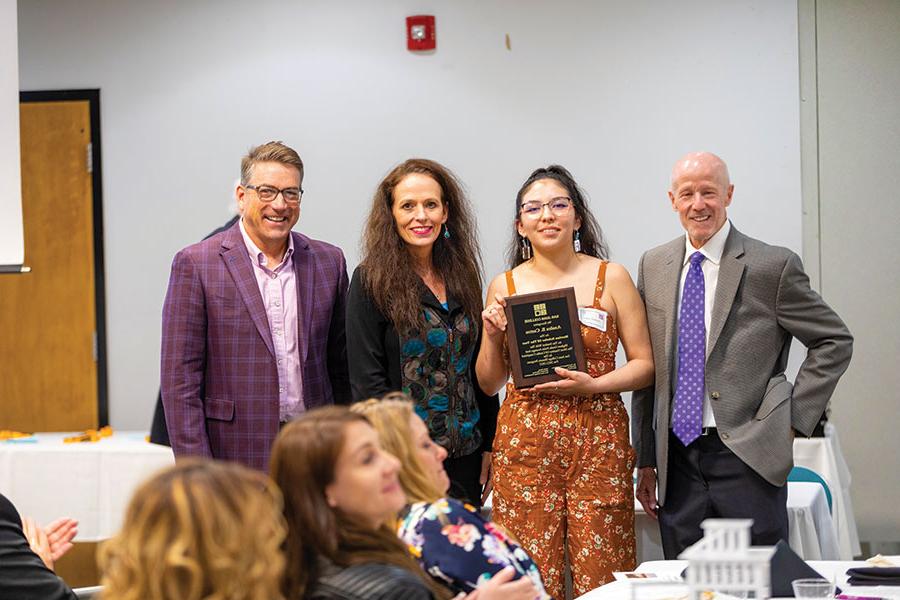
[[813, 588]]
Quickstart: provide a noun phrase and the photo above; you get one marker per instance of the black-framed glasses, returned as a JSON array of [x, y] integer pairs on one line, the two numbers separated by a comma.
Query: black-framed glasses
[[558, 206], [268, 193]]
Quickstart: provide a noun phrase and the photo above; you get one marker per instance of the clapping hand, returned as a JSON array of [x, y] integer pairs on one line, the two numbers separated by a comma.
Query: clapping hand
[[60, 534], [51, 542]]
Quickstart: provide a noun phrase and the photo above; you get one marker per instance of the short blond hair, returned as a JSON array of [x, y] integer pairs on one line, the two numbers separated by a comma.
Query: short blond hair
[[199, 530], [276, 152], [390, 416]]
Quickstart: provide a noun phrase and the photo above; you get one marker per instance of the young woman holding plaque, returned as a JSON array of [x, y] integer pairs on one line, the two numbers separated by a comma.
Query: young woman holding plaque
[[414, 315], [562, 465]]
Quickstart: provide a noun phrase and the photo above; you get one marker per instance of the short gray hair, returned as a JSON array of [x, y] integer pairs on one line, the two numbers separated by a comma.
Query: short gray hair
[[270, 152]]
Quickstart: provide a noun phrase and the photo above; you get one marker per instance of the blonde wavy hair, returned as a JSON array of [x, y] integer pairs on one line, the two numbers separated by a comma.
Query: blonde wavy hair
[[201, 530], [390, 416]]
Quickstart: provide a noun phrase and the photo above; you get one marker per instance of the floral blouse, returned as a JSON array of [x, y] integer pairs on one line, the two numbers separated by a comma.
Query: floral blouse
[[458, 547]]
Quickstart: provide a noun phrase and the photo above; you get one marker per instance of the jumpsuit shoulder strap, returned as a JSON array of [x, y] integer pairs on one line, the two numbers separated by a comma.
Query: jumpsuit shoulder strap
[[510, 284], [601, 282]]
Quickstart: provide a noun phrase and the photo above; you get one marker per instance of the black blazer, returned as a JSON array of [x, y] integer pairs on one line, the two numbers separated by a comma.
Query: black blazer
[[23, 575], [373, 353]]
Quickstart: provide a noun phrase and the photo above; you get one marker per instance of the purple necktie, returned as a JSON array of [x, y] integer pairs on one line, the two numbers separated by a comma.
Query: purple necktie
[[688, 410]]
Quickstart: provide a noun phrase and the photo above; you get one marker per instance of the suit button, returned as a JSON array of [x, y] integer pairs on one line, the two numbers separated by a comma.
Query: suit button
[[724, 435], [714, 395]]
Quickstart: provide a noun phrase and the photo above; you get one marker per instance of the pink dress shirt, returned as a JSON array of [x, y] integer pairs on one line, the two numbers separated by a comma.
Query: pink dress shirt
[[278, 289]]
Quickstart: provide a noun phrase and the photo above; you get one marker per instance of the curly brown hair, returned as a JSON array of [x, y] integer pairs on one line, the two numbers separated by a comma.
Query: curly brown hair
[[201, 529], [387, 265], [303, 465]]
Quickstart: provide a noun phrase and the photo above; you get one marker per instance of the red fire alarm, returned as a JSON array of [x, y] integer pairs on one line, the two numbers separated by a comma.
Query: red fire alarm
[[420, 33]]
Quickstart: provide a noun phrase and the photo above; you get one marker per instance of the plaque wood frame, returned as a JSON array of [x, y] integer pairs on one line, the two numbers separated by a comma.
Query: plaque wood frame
[[574, 342]]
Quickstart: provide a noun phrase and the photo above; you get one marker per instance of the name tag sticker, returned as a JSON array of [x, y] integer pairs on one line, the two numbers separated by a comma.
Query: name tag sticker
[[593, 317]]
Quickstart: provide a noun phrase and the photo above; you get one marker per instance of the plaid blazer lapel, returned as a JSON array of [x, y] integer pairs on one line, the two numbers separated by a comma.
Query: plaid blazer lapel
[[304, 276], [234, 254]]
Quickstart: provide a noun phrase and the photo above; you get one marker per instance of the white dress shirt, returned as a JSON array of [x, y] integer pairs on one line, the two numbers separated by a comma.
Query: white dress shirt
[[712, 251]]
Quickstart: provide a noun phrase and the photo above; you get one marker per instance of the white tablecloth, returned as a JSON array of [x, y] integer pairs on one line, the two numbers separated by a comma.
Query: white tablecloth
[[646, 533], [824, 456], [812, 533], [811, 529], [832, 570], [89, 481]]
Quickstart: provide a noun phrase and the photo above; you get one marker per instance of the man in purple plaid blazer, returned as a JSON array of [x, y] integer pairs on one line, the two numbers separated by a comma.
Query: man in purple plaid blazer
[[253, 322]]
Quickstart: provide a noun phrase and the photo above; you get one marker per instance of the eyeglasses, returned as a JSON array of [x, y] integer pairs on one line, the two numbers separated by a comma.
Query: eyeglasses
[[267, 193], [558, 206]]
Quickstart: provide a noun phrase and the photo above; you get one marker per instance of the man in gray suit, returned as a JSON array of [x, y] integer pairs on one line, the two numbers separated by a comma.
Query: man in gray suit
[[717, 427]]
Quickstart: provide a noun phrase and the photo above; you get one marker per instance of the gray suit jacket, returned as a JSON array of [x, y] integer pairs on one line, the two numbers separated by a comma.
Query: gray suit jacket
[[762, 299]]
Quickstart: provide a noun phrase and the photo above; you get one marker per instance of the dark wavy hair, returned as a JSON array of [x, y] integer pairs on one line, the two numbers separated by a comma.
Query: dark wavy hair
[[303, 464], [387, 265], [591, 236]]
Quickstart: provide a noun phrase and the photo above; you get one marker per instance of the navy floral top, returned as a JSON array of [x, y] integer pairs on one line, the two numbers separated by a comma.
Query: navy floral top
[[459, 548], [434, 365]]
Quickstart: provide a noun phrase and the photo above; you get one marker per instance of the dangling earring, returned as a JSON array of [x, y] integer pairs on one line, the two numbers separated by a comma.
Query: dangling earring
[[577, 241], [526, 249], [446, 232]]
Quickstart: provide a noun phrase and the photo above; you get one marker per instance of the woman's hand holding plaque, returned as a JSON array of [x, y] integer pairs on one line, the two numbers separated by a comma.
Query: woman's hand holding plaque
[[573, 383], [494, 318]]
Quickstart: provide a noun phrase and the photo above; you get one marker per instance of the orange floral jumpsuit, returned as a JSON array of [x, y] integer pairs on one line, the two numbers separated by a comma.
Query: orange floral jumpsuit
[[563, 472]]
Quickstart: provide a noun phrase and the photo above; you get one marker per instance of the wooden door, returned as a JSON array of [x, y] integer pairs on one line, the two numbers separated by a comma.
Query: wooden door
[[48, 319]]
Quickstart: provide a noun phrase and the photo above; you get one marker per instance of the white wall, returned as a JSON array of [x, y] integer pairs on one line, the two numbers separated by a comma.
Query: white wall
[[859, 146], [614, 91], [11, 238]]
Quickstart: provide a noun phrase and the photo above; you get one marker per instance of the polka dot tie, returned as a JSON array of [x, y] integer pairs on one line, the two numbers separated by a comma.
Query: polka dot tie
[[688, 407]]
